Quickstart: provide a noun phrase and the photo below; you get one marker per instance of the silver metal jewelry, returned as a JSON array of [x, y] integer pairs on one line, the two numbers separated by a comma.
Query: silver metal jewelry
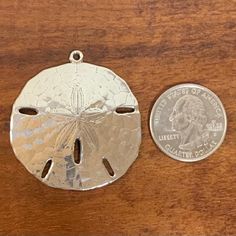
[[76, 126]]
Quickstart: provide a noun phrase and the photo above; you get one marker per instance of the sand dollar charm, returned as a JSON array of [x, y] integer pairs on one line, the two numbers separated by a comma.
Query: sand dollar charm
[[76, 126]]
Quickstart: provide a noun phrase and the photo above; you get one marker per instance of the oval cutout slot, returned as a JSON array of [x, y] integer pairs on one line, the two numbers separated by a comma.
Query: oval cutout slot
[[108, 167], [28, 111], [46, 168], [124, 110], [77, 151]]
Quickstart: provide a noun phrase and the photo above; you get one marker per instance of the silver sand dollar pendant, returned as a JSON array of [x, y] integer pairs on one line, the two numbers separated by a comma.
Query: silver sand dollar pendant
[[188, 122], [76, 126]]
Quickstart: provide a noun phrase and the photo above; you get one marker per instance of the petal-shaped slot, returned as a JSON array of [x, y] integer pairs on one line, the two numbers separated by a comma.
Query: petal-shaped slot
[[108, 167], [28, 111], [77, 151], [124, 110], [46, 168]]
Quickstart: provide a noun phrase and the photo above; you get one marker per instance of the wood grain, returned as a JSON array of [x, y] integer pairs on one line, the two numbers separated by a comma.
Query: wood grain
[[154, 45]]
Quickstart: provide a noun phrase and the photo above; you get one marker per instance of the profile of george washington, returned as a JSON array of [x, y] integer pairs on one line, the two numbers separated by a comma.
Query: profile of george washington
[[189, 119]]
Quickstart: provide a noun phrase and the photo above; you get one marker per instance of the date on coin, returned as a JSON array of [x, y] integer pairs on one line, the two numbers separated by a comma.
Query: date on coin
[[188, 122]]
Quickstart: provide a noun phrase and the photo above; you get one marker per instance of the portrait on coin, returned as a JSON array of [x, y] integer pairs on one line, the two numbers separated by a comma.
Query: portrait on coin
[[189, 119]]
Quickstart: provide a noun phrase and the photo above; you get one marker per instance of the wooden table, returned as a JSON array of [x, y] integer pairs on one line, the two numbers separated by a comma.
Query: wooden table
[[154, 45]]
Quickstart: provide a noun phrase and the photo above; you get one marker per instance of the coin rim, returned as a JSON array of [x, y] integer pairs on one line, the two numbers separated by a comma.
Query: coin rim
[[191, 85]]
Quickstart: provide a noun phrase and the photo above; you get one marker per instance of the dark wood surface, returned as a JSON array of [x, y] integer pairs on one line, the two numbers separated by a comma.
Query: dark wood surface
[[153, 45]]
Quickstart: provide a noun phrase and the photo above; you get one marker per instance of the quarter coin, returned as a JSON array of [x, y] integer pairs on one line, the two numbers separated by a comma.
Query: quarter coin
[[188, 122]]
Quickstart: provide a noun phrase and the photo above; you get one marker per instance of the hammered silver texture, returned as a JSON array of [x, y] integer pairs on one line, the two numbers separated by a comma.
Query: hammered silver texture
[[188, 122], [76, 101]]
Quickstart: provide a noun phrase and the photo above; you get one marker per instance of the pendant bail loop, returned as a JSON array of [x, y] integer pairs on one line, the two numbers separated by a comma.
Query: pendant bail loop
[[76, 56]]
